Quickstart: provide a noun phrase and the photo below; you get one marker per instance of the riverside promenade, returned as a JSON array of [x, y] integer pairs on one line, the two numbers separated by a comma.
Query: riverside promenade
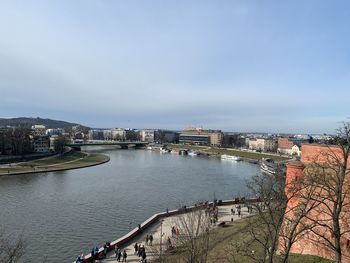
[[163, 226]]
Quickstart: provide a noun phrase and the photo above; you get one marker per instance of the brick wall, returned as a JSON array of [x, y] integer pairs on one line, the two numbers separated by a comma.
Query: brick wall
[[309, 243]]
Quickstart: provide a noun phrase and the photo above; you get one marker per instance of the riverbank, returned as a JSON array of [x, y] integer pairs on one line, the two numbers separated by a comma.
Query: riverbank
[[71, 160], [228, 229], [211, 151]]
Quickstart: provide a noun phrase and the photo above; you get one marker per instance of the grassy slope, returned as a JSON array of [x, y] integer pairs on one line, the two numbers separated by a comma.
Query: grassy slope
[[220, 247], [68, 161]]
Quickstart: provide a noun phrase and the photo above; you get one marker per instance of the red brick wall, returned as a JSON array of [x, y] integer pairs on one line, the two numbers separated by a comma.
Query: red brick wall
[[308, 243], [318, 153]]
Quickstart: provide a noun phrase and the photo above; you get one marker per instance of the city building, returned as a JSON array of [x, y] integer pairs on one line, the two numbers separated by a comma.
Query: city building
[[290, 146], [132, 135], [196, 136], [215, 138], [96, 134], [284, 146], [262, 145], [57, 131], [165, 136], [116, 134], [38, 130], [266, 145], [147, 135], [41, 144], [253, 144]]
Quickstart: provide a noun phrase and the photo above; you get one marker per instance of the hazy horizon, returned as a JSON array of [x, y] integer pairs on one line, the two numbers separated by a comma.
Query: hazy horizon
[[272, 66]]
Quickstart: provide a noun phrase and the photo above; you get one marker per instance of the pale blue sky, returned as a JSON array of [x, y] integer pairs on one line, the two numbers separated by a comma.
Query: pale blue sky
[[275, 66]]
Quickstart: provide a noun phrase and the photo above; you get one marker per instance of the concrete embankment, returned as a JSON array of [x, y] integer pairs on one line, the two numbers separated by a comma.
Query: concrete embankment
[[144, 227]]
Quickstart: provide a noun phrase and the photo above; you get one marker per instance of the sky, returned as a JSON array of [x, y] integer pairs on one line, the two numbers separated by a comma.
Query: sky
[[264, 66]]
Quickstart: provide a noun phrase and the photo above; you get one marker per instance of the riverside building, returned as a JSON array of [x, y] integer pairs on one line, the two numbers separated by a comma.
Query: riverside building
[[41, 144], [199, 136]]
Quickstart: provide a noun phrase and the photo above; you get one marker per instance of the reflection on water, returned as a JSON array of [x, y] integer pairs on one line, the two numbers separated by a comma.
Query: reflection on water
[[68, 212]]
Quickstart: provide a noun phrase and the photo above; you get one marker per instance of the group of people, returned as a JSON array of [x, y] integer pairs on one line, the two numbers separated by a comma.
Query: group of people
[[175, 231], [106, 248], [140, 251], [120, 255], [149, 239], [213, 213]]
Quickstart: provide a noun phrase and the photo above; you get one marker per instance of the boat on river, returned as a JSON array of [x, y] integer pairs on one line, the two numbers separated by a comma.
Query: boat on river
[[164, 150], [230, 157], [270, 166], [192, 153]]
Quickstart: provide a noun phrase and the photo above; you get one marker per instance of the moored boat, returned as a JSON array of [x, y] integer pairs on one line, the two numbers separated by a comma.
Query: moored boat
[[192, 153], [268, 165], [230, 157], [164, 150]]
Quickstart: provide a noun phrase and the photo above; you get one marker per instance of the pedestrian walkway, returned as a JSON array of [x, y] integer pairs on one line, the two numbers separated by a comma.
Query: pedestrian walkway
[[164, 226]]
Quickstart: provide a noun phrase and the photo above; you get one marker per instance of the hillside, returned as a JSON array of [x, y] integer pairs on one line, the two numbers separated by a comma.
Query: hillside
[[28, 122]]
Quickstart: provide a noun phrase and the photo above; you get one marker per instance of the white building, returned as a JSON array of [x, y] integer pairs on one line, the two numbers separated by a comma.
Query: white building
[[147, 135], [41, 144], [252, 144], [296, 150], [39, 129], [114, 134], [51, 132]]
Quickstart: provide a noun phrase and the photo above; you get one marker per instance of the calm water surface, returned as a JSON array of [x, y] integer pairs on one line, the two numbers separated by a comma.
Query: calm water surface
[[67, 213]]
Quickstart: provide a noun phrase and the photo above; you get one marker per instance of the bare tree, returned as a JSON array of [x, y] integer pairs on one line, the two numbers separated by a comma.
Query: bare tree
[[295, 223], [263, 230], [329, 172], [60, 144], [277, 224], [11, 248]]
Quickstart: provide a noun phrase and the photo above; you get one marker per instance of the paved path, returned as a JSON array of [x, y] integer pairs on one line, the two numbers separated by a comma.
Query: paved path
[[224, 215]]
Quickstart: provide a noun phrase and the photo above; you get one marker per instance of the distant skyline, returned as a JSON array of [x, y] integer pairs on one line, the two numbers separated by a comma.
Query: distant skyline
[[265, 66]]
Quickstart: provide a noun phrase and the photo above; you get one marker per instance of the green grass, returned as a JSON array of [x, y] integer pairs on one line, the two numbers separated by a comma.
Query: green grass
[[71, 160], [220, 151], [57, 159], [220, 247]]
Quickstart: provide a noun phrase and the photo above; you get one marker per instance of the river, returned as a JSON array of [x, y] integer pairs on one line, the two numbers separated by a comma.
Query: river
[[63, 214]]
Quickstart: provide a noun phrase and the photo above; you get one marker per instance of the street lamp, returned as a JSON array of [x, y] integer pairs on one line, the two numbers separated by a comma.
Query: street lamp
[[160, 243]]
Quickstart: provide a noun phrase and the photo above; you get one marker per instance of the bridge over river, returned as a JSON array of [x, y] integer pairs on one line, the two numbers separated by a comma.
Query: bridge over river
[[122, 144]]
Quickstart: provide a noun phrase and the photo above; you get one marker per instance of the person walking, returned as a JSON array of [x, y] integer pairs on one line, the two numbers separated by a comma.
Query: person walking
[[136, 247], [168, 244], [150, 239], [143, 257], [147, 238], [119, 255], [116, 251], [125, 255], [177, 232]]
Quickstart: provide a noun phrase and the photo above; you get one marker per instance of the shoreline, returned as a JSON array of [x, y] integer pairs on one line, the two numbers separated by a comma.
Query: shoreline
[[128, 239], [79, 162], [217, 152]]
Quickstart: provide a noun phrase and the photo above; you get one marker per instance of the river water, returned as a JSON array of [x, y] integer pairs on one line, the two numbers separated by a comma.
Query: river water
[[63, 214]]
